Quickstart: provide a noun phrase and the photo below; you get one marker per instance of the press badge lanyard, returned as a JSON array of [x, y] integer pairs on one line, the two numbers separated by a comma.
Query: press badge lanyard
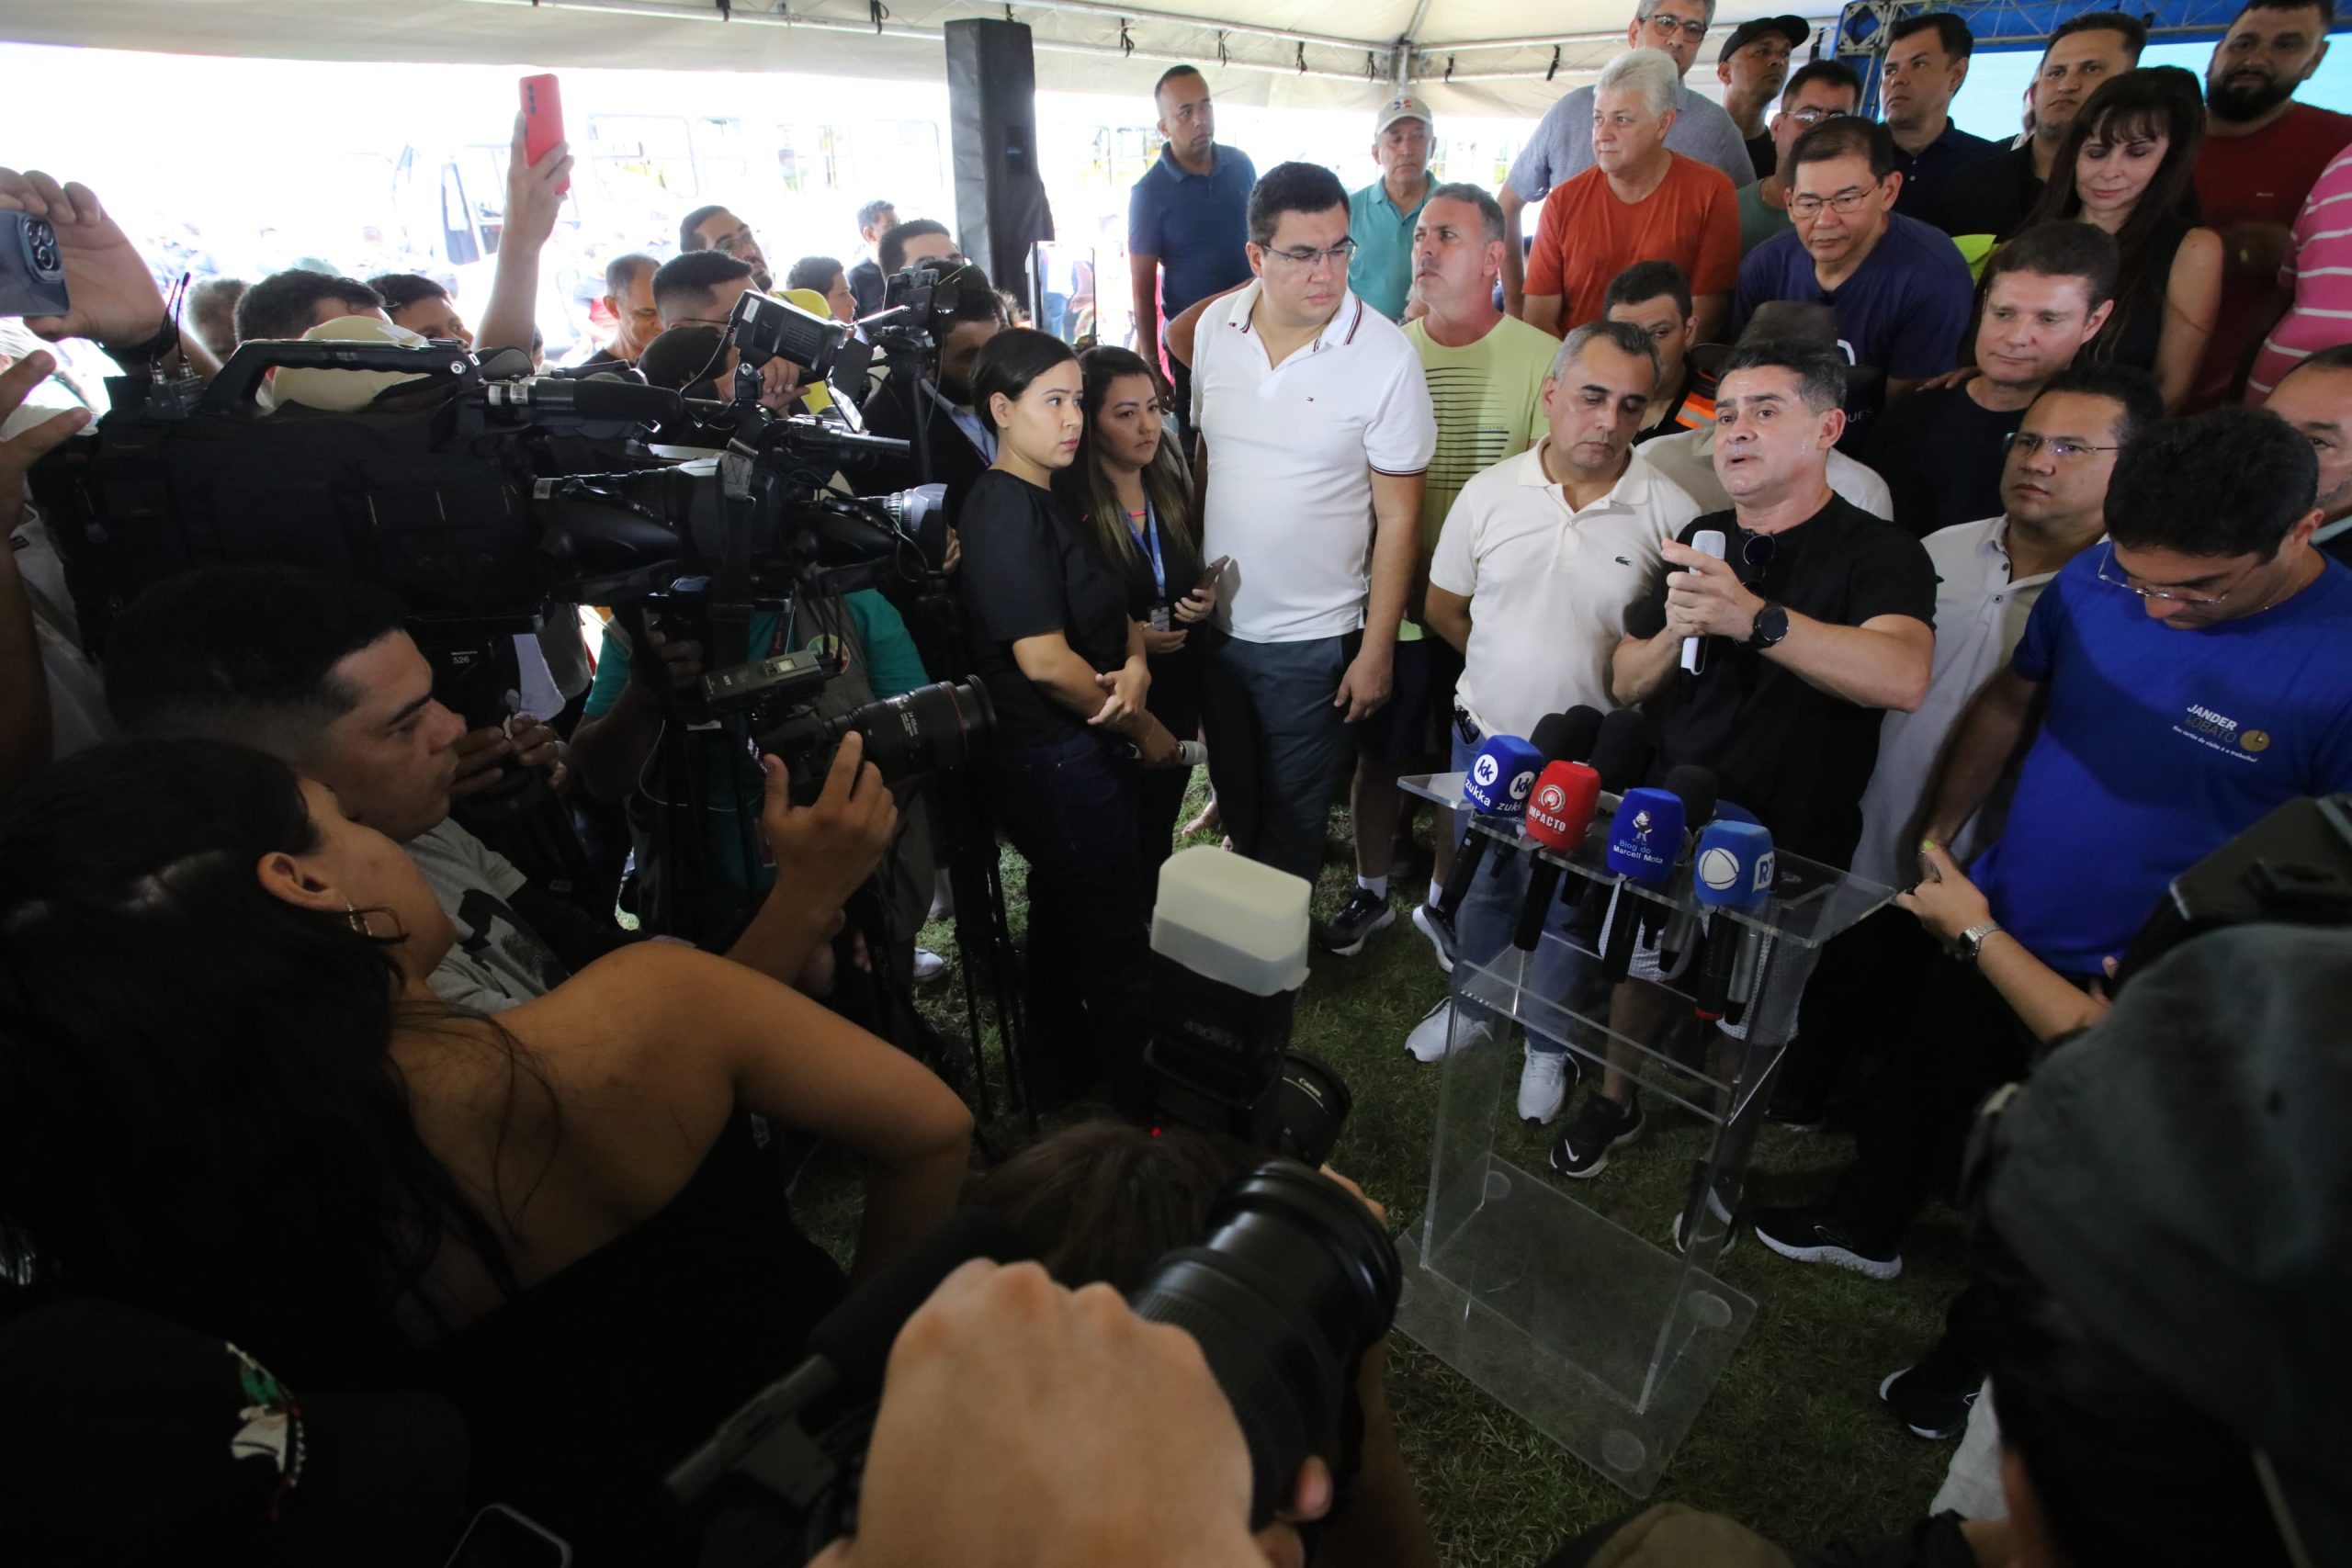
[[1147, 538]]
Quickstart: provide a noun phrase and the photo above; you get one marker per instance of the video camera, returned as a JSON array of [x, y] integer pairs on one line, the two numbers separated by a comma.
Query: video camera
[[1293, 1283], [483, 500]]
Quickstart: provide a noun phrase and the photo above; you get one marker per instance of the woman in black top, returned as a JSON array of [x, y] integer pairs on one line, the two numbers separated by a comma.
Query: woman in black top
[[2129, 166], [228, 1096], [1135, 490], [1065, 662]]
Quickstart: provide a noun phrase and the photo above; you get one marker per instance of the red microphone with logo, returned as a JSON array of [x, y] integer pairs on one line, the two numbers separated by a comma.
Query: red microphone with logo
[[1559, 813]]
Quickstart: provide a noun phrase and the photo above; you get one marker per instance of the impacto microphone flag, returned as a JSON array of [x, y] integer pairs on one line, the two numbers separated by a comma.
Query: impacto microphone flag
[[1499, 779], [1559, 813], [1733, 868]]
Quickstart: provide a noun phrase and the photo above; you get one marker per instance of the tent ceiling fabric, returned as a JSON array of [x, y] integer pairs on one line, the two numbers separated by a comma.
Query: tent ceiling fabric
[[1497, 53]]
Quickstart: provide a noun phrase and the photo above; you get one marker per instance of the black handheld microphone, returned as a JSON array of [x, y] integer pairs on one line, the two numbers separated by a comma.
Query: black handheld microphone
[[1620, 755], [1697, 787]]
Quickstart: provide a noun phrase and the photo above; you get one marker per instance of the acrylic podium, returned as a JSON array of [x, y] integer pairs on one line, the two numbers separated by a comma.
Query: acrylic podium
[[1607, 1341]]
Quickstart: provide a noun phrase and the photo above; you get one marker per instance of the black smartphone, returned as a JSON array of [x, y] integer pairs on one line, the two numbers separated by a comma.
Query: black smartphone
[[501, 1538], [32, 270]]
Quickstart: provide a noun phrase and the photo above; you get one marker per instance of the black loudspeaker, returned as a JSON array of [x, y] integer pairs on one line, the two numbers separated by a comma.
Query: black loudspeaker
[[1000, 208]]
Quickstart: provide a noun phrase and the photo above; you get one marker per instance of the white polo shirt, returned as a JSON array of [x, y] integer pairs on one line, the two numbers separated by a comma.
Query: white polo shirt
[[1549, 587], [1292, 451], [1980, 615]]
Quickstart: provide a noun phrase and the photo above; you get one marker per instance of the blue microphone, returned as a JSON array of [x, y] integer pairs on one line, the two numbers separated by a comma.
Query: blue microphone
[[1733, 868], [1644, 843], [1496, 787]]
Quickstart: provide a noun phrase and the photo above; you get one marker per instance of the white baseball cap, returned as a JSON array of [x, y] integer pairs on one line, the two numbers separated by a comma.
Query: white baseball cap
[[1404, 106]]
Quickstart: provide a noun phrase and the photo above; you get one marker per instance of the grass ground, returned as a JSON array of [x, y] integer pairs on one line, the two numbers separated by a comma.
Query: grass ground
[[1793, 1440]]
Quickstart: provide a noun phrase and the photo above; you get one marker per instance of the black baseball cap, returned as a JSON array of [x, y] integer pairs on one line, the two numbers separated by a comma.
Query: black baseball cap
[[1796, 29]]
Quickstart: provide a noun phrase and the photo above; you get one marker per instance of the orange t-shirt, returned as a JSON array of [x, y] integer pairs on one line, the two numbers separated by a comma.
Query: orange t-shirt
[[1588, 236]]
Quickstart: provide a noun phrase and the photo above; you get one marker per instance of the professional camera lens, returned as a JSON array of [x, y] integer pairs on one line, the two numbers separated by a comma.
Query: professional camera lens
[[933, 729], [1296, 1282], [1315, 1103]]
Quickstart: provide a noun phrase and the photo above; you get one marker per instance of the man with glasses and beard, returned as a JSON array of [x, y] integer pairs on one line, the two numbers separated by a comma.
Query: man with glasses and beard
[[1315, 438], [2263, 152], [2191, 674]]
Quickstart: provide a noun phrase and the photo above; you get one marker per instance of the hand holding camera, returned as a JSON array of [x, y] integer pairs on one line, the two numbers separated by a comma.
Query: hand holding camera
[[827, 847]]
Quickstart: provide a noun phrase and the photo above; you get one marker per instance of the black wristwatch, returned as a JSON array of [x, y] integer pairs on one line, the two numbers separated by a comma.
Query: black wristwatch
[[1772, 625]]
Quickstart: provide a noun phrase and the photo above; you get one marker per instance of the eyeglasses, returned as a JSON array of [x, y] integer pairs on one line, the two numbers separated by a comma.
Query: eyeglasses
[[2113, 576], [1666, 26], [1306, 255], [1844, 203], [1814, 117], [2026, 443]]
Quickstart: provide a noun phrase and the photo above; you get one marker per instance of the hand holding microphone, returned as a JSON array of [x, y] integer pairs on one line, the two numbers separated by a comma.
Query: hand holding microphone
[[1709, 542], [1706, 598]]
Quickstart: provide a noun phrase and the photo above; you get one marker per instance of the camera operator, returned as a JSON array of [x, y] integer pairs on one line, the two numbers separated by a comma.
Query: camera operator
[[288, 304], [1103, 1201], [276, 1132], [962, 444], [623, 721], [321, 673], [695, 294]]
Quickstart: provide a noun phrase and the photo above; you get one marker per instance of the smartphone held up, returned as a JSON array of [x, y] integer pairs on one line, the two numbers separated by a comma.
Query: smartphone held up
[[542, 119], [32, 269]]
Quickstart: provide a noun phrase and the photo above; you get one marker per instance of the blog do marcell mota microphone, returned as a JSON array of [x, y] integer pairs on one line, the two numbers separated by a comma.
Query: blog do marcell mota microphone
[[1733, 869], [1496, 788], [1707, 541], [1559, 815], [1645, 845]]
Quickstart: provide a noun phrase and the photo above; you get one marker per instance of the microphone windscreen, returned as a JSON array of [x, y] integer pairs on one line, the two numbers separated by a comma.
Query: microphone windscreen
[[856, 1336], [1568, 736], [1500, 775], [1696, 785], [1622, 750], [1560, 812], [1646, 838], [1733, 865]]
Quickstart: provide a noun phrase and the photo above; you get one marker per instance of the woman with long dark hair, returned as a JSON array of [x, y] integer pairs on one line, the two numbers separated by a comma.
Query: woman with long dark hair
[[2129, 166], [1135, 490], [228, 1096], [1066, 665]]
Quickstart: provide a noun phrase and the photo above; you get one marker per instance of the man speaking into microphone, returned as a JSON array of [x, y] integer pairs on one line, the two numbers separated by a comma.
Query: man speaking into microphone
[[1538, 558], [1818, 619]]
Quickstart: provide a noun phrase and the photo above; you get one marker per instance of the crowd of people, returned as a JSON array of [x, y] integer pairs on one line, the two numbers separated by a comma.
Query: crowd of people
[[2031, 465]]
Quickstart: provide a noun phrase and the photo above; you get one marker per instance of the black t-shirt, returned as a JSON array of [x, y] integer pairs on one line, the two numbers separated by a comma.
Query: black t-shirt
[[1763, 155], [1029, 569], [1993, 195], [1796, 756], [1940, 453]]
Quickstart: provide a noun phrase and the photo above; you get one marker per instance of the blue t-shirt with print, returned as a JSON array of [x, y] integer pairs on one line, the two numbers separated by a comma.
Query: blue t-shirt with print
[[2157, 747]]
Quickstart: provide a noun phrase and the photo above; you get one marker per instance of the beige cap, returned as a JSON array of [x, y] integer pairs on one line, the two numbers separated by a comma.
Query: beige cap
[[1404, 106]]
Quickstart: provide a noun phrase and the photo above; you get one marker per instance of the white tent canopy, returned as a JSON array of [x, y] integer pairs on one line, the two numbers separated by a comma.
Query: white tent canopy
[[1469, 57]]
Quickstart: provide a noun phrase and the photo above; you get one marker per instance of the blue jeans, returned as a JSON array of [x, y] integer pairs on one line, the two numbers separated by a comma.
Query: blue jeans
[[1556, 971], [1070, 808], [1277, 746]]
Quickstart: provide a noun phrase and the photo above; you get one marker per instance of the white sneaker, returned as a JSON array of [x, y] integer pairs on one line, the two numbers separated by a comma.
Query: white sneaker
[[1542, 1086], [929, 966], [1433, 1036]]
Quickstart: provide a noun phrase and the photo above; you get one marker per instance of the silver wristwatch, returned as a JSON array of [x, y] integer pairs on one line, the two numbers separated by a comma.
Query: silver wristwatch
[[1969, 946]]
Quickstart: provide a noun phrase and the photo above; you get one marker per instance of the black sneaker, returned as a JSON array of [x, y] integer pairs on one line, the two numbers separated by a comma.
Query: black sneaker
[[1818, 1235], [1583, 1150], [1434, 926], [1932, 1399], [1346, 932], [1723, 1214]]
